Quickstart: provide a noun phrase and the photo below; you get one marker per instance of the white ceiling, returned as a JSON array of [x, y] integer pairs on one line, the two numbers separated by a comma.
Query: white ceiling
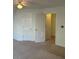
[[43, 3]]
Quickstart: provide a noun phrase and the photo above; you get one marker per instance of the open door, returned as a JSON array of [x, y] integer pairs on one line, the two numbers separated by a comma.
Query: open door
[[40, 27]]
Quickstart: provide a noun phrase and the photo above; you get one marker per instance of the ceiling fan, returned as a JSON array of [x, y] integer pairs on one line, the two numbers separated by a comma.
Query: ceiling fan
[[20, 4]]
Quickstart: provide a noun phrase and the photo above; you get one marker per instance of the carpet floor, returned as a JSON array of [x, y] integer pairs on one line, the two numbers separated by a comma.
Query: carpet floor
[[32, 50]]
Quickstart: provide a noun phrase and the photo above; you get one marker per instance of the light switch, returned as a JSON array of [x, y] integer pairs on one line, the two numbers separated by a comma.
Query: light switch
[[62, 26]]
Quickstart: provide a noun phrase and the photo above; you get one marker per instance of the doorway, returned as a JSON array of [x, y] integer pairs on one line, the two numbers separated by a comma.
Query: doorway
[[50, 27]]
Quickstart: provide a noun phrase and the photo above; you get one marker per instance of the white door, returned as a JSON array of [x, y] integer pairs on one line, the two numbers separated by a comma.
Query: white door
[[18, 26], [40, 27], [24, 27], [28, 32]]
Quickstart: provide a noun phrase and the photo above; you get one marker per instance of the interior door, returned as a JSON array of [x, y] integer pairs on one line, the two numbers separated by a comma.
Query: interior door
[[40, 27], [18, 25], [28, 32]]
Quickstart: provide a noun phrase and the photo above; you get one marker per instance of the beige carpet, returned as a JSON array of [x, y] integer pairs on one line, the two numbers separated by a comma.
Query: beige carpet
[[32, 50]]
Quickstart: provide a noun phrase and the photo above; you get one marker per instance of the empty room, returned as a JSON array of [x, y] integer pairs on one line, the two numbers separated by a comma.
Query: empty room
[[38, 29]]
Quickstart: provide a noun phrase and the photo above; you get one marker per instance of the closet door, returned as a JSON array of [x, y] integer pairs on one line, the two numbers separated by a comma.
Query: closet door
[[18, 25], [28, 28], [40, 27], [24, 26]]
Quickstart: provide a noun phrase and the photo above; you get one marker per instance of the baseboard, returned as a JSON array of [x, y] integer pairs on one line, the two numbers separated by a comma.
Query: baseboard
[[61, 45]]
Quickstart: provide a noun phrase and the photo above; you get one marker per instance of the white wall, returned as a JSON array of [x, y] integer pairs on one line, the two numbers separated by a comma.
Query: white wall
[[60, 20]]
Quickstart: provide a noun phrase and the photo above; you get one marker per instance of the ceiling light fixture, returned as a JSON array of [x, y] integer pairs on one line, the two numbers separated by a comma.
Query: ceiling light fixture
[[19, 5]]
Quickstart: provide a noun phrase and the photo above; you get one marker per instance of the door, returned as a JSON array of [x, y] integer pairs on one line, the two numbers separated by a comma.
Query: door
[[40, 27], [18, 26], [28, 28]]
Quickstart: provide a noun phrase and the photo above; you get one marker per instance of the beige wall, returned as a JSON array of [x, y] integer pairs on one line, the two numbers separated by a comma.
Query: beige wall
[[48, 25], [53, 24]]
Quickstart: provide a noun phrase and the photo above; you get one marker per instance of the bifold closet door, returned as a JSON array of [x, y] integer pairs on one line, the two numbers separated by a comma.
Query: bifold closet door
[[23, 27], [18, 25], [40, 27], [28, 28]]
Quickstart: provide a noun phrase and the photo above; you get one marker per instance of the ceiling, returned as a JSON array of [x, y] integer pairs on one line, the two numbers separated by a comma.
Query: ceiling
[[42, 3]]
